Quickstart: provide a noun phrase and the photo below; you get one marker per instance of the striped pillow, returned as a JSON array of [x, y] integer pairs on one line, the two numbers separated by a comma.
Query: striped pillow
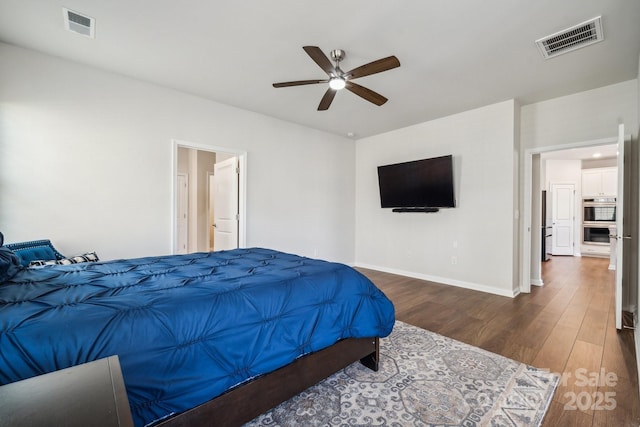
[[88, 257]]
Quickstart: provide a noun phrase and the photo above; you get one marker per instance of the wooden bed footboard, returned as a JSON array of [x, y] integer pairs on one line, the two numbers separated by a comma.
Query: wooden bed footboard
[[245, 402]]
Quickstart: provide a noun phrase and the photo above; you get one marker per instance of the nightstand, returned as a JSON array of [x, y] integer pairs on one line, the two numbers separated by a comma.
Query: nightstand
[[91, 394]]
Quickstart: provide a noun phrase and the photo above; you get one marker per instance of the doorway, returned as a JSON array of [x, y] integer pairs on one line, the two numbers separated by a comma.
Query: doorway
[[622, 232], [197, 162], [537, 179]]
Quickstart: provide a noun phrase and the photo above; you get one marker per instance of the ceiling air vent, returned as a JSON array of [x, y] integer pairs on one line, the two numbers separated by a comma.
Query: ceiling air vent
[[573, 38], [81, 24]]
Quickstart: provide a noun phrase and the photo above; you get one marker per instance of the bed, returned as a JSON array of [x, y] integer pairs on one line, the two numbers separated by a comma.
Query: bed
[[202, 337]]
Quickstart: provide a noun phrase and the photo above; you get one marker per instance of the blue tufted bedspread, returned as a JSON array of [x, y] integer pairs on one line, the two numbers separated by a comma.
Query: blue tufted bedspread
[[186, 327]]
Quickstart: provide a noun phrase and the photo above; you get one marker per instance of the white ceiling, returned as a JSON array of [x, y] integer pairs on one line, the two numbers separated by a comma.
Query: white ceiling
[[455, 54]]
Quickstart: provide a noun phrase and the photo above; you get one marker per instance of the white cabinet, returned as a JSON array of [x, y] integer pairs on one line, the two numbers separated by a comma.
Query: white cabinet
[[600, 182], [610, 182], [598, 251]]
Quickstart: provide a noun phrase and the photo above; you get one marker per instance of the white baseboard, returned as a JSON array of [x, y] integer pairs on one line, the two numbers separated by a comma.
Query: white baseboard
[[443, 280], [537, 282]]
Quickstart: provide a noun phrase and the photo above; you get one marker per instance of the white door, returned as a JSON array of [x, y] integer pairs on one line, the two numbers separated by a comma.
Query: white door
[[182, 221], [225, 213], [210, 211], [620, 237], [562, 218]]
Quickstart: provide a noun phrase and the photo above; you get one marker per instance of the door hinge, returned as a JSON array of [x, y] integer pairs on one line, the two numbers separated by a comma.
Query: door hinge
[[237, 217], [237, 171]]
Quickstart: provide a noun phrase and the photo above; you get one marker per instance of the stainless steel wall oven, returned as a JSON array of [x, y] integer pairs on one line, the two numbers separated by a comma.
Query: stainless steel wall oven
[[595, 234], [599, 210], [598, 214]]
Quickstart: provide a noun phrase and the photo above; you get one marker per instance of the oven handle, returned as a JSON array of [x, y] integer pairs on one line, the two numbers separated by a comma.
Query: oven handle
[[620, 237], [598, 205]]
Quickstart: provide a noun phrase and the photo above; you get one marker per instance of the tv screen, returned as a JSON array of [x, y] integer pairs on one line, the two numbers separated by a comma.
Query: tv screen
[[421, 183]]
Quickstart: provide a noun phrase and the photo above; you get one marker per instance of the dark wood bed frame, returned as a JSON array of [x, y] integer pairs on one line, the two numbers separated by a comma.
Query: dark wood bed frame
[[245, 402]]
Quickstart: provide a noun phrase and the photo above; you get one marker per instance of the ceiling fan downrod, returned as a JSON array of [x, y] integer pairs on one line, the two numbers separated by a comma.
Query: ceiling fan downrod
[[338, 55]]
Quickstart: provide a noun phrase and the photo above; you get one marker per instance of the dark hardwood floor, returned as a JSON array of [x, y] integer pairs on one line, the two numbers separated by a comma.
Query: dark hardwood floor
[[566, 326]]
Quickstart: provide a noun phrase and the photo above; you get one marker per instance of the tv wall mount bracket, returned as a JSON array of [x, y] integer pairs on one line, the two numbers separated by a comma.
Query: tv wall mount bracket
[[423, 210]]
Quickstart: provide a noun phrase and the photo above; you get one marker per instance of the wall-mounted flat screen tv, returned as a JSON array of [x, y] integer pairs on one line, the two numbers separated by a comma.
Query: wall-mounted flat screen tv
[[422, 183]]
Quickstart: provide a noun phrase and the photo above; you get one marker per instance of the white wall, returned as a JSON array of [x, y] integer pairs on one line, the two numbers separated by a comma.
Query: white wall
[[584, 116], [481, 226], [537, 185], [563, 172], [86, 160]]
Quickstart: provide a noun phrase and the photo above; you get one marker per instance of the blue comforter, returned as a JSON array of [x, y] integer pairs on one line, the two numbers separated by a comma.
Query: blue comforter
[[186, 327]]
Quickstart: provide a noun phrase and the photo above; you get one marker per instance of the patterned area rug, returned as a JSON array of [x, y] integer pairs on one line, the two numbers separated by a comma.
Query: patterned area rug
[[425, 379]]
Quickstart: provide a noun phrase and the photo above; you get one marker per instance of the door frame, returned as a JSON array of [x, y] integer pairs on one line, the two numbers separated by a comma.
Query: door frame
[[209, 221], [186, 179], [242, 191], [527, 255]]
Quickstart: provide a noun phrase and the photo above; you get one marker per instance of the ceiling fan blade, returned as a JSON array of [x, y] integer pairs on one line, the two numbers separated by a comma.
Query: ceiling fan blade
[[327, 99], [299, 83], [365, 93], [320, 58], [374, 67]]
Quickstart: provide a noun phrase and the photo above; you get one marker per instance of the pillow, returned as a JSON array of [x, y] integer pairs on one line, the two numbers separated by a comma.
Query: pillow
[[88, 257], [34, 250], [9, 264]]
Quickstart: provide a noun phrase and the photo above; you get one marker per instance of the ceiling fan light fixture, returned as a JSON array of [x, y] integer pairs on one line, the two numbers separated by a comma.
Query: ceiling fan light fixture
[[338, 79], [337, 83]]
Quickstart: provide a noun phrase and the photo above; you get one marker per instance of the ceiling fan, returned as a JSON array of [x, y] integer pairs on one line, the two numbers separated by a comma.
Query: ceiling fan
[[339, 79]]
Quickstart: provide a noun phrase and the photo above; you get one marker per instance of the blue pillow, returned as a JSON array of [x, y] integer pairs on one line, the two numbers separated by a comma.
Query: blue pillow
[[9, 264], [34, 250], [37, 252]]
